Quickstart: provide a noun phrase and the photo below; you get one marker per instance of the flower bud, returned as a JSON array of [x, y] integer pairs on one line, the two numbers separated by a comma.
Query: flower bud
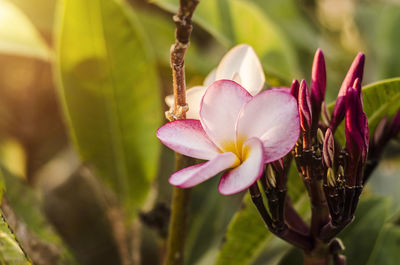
[[328, 152], [356, 71], [356, 130], [294, 89], [304, 107], [318, 84]]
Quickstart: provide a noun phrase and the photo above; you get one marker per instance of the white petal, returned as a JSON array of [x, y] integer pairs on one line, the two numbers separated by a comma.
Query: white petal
[[219, 110], [169, 100], [242, 60], [193, 175], [248, 172], [188, 138], [210, 78], [193, 99], [272, 116]]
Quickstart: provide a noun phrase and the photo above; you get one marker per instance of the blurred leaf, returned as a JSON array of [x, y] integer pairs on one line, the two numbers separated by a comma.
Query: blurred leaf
[[10, 250], [378, 24], [287, 13], [367, 235], [386, 250], [197, 59], [385, 179], [18, 35], [110, 93], [380, 99], [28, 209], [207, 204], [362, 236], [40, 12], [247, 235], [294, 256], [238, 21]]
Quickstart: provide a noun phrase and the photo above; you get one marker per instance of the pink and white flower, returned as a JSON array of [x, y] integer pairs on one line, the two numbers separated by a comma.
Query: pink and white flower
[[240, 64], [236, 132]]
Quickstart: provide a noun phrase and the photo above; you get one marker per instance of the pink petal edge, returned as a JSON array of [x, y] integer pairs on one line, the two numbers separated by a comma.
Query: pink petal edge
[[196, 174], [279, 132], [188, 138]]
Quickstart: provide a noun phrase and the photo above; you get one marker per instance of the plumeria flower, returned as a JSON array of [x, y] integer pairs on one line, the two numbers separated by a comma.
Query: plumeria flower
[[240, 64], [236, 132]]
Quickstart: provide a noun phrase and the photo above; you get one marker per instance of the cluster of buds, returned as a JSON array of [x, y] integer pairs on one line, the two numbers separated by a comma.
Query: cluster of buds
[[332, 174]]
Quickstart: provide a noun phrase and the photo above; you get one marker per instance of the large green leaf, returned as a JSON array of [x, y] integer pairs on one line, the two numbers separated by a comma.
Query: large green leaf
[[29, 209], [10, 251], [386, 249], [380, 99], [110, 93], [362, 236], [238, 21], [368, 234], [18, 35], [247, 236]]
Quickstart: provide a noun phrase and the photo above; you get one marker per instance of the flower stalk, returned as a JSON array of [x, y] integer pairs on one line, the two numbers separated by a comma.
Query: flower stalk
[[180, 198]]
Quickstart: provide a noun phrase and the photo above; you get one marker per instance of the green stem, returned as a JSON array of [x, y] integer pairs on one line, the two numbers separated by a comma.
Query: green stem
[[178, 220]]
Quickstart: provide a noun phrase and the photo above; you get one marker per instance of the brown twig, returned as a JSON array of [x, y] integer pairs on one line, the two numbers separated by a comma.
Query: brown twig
[[183, 21], [180, 198]]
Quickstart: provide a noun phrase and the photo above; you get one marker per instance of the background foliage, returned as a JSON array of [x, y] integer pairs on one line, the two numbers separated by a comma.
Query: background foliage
[[82, 84]]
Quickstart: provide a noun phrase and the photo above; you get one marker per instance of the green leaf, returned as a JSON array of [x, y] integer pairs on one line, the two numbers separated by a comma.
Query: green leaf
[[294, 256], [10, 251], [368, 234], [386, 250], [18, 36], [244, 236], [162, 30], [362, 236], [28, 209], [110, 93], [247, 236], [238, 21], [380, 99]]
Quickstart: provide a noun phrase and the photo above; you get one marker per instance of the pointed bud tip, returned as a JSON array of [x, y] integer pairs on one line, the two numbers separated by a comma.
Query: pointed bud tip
[[294, 89], [304, 106], [318, 79]]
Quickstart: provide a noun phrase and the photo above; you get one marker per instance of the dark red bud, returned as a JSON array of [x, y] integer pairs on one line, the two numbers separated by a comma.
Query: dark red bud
[[328, 152], [356, 131], [294, 89], [356, 71], [304, 106], [318, 84]]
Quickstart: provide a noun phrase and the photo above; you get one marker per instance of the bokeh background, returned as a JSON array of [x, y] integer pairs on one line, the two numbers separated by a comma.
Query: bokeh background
[[82, 87]]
